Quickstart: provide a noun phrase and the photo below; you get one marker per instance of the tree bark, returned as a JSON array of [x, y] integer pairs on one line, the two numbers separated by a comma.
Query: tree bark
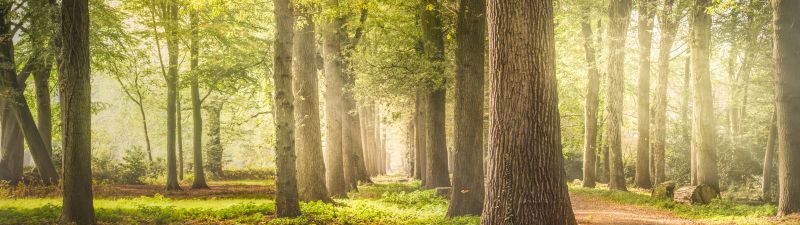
[[170, 27], [76, 106], [436, 173], [214, 147], [179, 134], [421, 132], [787, 68], [525, 178], [645, 22], [334, 111], [704, 125], [286, 198], [667, 27], [590, 106], [468, 192], [310, 163], [619, 16], [197, 117]]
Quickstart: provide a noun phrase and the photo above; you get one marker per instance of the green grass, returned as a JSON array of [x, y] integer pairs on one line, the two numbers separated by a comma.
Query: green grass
[[395, 203], [720, 210]]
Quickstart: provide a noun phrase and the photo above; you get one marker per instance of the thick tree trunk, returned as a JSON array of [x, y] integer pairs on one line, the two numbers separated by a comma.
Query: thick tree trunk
[[310, 163], [421, 132], [171, 17], [667, 26], [179, 134], [787, 68], [704, 125], [12, 142], [525, 178], [436, 173], [44, 113], [351, 141], [619, 16], [334, 111], [768, 171], [645, 20], [286, 198], [76, 106], [686, 123], [197, 118], [367, 138], [590, 106], [468, 191]]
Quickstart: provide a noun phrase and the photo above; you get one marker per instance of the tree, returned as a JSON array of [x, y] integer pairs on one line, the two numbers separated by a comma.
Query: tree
[[197, 118], [768, 169], [76, 126], [667, 27], [468, 192], [645, 20], [286, 197], [214, 146], [619, 15], [310, 169], [421, 132], [704, 134], [524, 127], [436, 172], [591, 104], [354, 166], [334, 112], [787, 82]]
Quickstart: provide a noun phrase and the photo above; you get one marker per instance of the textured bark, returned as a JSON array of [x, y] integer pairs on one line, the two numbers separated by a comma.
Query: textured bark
[[686, 123], [214, 146], [667, 27], [704, 125], [286, 198], [308, 138], [171, 25], [179, 134], [76, 106], [768, 172], [787, 76], [645, 22], [420, 113], [619, 15], [591, 106], [197, 118], [468, 194], [334, 111], [354, 163], [700, 194], [436, 172], [12, 141], [525, 174]]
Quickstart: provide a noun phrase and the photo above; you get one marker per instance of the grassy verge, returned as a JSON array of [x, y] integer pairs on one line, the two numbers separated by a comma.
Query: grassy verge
[[719, 210]]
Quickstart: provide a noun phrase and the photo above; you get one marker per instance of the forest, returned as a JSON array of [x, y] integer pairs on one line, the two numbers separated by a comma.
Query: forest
[[400, 112]]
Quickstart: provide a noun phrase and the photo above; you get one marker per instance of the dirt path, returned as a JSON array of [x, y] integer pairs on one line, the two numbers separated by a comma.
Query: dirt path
[[589, 210]]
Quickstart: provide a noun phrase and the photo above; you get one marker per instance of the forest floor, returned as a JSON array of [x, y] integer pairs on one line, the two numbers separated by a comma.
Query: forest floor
[[391, 200]]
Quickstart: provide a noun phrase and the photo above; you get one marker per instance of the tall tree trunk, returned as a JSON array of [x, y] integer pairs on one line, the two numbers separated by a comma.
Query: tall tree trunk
[[436, 173], [286, 198], [171, 26], [367, 138], [76, 106], [334, 111], [179, 118], [768, 171], [590, 106], [351, 141], [12, 142], [686, 118], [645, 20], [466, 196], [421, 132], [310, 163], [704, 125], [525, 178], [787, 68], [667, 27], [214, 147], [197, 118], [619, 16]]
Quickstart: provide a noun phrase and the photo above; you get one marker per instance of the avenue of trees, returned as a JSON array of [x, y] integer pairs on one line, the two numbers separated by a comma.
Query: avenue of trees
[[500, 104]]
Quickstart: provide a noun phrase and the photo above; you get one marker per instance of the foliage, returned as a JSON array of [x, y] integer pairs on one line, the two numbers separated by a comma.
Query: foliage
[[264, 173], [134, 168]]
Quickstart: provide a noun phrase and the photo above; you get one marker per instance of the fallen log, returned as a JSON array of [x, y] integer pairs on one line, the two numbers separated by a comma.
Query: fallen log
[[700, 194], [664, 190]]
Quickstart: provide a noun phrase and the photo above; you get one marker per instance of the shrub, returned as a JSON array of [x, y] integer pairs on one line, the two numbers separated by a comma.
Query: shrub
[[263, 173], [135, 167]]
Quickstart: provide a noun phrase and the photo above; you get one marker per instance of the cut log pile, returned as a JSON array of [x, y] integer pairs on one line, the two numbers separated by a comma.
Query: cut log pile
[[701, 194]]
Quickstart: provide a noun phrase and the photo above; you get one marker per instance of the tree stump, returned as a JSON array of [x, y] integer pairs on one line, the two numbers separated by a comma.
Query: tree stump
[[664, 190], [701, 194], [443, 192]]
